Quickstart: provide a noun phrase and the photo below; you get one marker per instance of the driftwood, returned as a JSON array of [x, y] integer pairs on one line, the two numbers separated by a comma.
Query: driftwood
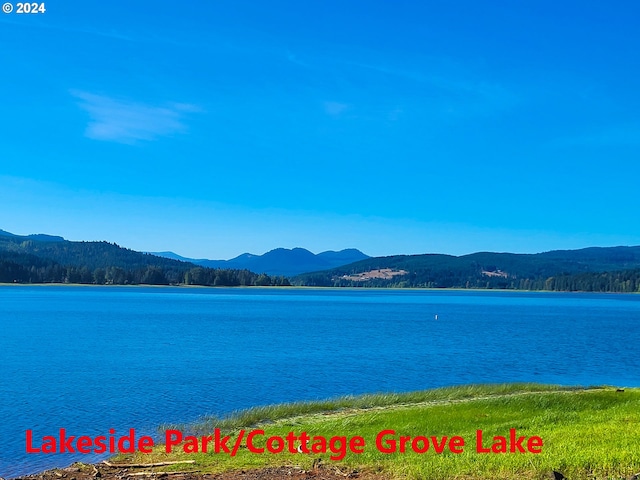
[[159, 474], [143, 465]]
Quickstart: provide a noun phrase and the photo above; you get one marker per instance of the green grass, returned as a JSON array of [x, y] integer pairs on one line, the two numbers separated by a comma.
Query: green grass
[[587, 433]]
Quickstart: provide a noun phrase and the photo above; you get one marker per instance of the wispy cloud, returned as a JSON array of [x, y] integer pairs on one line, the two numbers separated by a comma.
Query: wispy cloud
[[462, 92], [335, 108], [293, 58], [126, 121]]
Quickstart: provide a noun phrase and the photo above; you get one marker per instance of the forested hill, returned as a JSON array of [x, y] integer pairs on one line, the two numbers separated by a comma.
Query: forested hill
[[589, 269], [48, 259]]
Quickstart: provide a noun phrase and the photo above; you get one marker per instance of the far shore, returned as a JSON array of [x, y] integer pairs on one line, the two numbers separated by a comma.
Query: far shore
[[302, 287]]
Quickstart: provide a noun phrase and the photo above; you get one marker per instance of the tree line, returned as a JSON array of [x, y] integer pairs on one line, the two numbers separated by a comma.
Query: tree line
[[624, 281], [25, 268]]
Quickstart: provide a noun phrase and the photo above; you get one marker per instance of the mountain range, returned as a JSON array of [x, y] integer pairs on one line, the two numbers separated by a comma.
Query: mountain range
[[281, 261], [45, 258]]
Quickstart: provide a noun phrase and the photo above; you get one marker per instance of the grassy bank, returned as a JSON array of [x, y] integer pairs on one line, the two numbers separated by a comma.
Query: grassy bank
[[586, 433]]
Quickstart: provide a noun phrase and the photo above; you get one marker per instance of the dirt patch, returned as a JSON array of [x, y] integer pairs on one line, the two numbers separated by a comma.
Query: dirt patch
[[380, 273], [495, 273]]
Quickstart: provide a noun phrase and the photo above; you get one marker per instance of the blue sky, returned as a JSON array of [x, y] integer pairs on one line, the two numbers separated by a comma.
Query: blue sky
[[217, 128]]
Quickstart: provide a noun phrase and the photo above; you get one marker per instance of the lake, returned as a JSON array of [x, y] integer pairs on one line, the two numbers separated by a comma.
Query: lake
[[93, 358]]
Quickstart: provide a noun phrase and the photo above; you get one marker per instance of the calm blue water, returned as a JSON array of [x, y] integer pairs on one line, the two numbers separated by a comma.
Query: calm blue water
[[94, 358]]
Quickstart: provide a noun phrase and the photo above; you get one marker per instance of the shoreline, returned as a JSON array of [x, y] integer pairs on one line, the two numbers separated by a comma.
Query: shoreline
[[104, 471], [598, 405], [301, 287]]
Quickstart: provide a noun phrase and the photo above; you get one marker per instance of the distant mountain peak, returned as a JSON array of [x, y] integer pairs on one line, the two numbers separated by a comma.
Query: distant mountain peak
[[281, 261]]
